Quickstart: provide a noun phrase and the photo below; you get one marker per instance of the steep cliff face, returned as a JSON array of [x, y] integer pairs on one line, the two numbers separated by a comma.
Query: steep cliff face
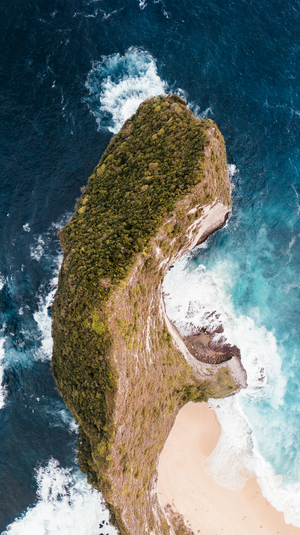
[[160, 188]]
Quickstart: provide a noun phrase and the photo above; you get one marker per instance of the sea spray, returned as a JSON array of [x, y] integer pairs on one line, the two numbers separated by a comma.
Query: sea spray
[[2, 387], [43, 315], [236, 458], [66, 505], [241, 60], [37, 249], [65, 502], [118, 84], [46, 292], [197, 297]]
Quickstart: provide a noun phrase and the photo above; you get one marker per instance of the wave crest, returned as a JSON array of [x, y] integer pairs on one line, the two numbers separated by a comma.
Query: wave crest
[[199, 298], [66, 505], [118, 84]]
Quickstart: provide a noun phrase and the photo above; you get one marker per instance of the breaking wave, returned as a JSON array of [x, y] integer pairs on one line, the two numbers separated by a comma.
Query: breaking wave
[[66, 505], [118, 84], [199, 298], [43, 315], [2, 387]]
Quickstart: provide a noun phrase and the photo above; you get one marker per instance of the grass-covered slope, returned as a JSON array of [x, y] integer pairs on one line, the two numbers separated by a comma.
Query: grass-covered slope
[[113, 359]]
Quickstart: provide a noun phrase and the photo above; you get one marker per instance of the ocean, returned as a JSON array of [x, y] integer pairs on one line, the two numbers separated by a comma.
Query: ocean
[[71, 73]]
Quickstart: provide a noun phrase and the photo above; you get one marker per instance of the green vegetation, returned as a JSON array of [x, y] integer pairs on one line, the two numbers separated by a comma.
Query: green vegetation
[[113, 358], [225, 380]]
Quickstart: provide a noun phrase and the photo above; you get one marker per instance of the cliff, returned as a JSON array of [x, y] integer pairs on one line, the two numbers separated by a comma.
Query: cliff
[[161, 187]]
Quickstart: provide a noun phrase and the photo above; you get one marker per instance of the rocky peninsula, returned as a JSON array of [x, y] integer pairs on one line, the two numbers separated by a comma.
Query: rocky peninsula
[[161, 188]]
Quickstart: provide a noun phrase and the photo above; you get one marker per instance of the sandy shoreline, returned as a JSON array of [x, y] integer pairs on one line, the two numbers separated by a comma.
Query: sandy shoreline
[[208, 508]]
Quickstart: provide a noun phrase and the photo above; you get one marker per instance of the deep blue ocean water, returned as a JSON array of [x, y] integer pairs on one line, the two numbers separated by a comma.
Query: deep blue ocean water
[[71, 73]]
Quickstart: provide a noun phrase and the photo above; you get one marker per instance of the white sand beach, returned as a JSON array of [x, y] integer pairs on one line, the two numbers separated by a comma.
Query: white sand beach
[[208, 508]]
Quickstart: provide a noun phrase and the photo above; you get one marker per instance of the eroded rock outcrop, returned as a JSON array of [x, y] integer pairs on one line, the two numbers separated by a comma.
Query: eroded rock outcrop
[[161, 187]]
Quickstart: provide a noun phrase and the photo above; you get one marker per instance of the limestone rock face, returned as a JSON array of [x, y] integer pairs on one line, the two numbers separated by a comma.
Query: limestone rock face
[[161, 187]]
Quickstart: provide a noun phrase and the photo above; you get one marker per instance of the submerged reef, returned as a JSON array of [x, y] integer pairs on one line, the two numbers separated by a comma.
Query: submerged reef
[[161, 187]]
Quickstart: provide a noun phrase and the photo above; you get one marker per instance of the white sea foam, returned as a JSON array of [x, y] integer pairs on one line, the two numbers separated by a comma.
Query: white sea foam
[[59, 417], [237, 458], [42, 315], [68, 420], [66, 505], [232, 169], [37, 250], [201, 298], [118, 84], [200, 114], [2, 388], [2, 282], [297, 198], [43, 318], [62, 221]]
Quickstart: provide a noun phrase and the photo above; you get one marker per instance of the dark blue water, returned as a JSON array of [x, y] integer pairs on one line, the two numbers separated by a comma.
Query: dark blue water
[[71, 73]]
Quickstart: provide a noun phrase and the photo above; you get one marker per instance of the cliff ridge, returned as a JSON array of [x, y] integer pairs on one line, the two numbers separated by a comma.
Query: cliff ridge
[[161, 187]]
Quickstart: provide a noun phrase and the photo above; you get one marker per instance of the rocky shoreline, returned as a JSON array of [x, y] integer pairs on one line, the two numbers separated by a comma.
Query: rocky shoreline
[[208, 346], [204, 347]]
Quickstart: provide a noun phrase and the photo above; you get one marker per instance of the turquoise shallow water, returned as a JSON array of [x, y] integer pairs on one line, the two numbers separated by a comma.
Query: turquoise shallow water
[[71, 73], [246, 277]]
